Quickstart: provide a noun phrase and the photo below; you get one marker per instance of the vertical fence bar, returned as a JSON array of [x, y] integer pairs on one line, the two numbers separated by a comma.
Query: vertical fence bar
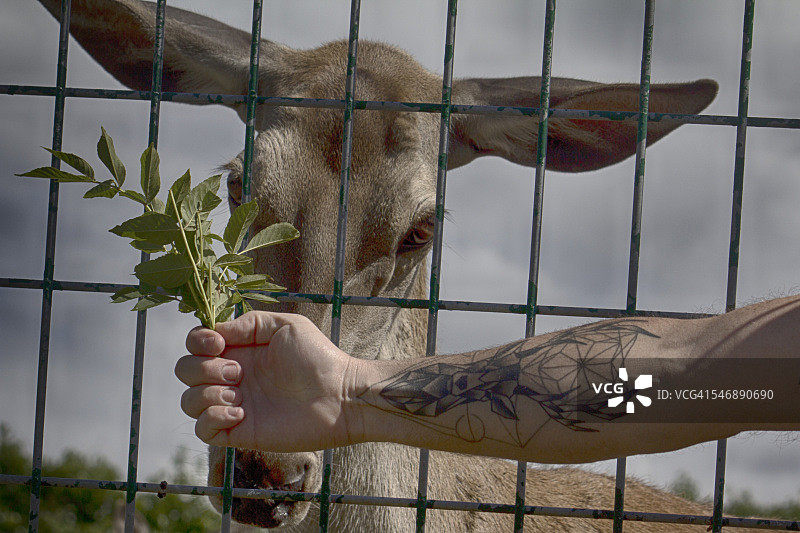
[[141, 316], [48, 275], [736, 228], [536, 226], [641, 146], [438, 232], [636, 219], [341, 233], [249, 138], [719, 485], [344, 176], [738, 170], [541, 162], [619, 494], [158, 62]]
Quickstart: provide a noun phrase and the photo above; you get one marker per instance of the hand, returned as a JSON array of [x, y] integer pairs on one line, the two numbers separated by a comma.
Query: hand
[[279, 384]]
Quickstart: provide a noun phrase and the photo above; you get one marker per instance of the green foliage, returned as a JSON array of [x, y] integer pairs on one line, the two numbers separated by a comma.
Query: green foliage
[[739, 503], [61, 510], [189, 272], [742, 504], [69, 510], [685, 487], [13, 499], [177, 512]]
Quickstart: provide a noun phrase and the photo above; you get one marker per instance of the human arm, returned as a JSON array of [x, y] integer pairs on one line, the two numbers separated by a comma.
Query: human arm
[[341, 400]]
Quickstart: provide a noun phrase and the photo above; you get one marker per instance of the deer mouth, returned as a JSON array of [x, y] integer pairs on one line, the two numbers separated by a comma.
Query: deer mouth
[[292, 472], [269, 513]]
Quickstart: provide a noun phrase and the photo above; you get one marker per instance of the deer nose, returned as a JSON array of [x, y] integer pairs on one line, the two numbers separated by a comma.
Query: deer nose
[[261, 471]]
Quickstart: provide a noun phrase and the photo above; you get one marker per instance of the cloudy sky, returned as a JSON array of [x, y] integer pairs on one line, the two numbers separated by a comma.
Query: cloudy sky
[[586, 216]]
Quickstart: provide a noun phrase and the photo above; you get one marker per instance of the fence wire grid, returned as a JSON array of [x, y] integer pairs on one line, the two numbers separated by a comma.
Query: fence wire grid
[[61, 93]]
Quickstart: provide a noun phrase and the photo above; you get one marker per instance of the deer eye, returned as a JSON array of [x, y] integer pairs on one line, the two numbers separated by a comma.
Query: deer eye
[[235, 189], [419, 236]]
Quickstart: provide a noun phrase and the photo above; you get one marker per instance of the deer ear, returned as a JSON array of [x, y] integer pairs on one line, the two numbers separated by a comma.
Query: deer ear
[[200, 54], [573, 145]]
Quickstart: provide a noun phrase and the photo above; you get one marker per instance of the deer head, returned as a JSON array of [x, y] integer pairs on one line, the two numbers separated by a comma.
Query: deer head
[[295, 175]]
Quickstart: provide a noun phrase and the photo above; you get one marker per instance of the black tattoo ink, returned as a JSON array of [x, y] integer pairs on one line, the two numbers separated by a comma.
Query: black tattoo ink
[[515, 378]]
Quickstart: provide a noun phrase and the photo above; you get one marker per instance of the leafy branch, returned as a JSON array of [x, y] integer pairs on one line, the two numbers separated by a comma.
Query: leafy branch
[[189, 271]]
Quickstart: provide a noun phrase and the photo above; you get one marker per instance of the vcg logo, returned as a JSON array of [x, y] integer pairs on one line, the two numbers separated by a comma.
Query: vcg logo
[[645, 381]]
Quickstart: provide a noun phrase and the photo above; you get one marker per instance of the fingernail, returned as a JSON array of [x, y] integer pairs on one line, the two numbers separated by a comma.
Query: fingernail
[[228, 395], [235, 412], [230, 372]]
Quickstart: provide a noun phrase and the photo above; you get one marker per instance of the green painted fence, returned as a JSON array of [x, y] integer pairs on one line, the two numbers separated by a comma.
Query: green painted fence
[[531, 309]]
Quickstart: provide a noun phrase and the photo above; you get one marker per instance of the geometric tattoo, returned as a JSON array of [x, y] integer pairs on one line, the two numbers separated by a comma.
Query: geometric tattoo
[[517, 377]]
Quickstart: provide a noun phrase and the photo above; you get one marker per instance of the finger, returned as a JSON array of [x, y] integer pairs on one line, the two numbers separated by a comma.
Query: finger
[[197, 399], [215, 421], [204, 341], [256, 327], [195, 370]]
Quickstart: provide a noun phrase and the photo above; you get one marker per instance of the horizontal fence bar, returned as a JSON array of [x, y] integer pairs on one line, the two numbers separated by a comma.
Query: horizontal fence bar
[[411, 107], [379, 301], [448, 505]]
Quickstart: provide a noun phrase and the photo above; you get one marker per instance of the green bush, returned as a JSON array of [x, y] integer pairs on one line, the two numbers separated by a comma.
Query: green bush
[[737, 503], [69, 510]]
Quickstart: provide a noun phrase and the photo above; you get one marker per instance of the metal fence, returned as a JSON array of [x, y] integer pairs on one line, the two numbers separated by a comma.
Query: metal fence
[[531, 309]]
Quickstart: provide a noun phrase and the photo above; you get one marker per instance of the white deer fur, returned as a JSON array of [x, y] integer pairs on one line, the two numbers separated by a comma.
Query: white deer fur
[[296, 179]]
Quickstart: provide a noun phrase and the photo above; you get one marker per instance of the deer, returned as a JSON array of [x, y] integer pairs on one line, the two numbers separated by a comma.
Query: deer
[[295, 178]]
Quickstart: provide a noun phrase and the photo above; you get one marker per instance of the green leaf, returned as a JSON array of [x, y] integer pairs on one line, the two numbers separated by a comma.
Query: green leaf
[[56, 174], [240, 221], [171, 270], [192, 251], [243, 282], [130, 293], [243, 270], [151, 179], [185, 307], [205, 225], [152, 300], [224, 315], [228, 260], [219, 299], [209, 257], [172, 291], [107, 154], [157, 206], [106, 189], [202, 198], [187, 302], [133, 195], [256, 282], [257, 296], [246, 307], [74, 161], [274, 234], [151, 227], [181, 188], [149, 247], [201, 316]]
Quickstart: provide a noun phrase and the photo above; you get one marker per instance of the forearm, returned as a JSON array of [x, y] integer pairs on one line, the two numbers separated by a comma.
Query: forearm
[[521, 401]]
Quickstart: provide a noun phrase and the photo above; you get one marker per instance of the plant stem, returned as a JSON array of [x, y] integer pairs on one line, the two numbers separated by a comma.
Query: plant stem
[[211, 317], [201, 259]]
